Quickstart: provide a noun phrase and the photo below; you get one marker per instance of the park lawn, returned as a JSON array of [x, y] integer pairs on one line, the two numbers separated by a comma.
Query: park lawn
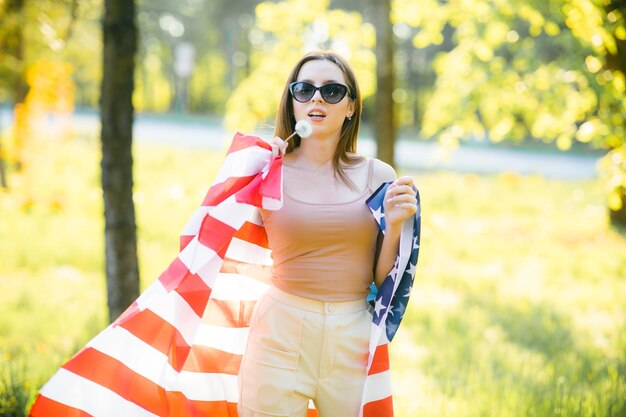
[[517, 309]]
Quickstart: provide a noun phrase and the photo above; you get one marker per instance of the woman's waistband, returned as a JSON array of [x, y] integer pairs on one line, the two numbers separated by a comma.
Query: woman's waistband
[[317, 306]]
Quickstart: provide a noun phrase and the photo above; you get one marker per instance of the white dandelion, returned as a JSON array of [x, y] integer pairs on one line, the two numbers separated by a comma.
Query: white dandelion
[[303, 129]]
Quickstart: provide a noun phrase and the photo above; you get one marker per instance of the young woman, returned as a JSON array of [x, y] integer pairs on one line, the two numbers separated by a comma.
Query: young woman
[[309, 333]]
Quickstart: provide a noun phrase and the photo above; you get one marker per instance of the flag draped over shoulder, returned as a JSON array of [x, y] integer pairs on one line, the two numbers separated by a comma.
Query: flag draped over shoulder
[[389, 303], [177, 349]]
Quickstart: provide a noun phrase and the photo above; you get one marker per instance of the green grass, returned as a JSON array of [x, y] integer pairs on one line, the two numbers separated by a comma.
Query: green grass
[[16, 390], [518, 306]]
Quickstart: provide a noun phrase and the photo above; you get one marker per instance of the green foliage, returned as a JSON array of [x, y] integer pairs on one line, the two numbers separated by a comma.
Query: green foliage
[[52, 31], [500, 78], [601, 25], [16, 390], [602, 29], [12, 66], [163, 25], [51, 242], [207, 89], [283, 32], [613, 168], [70, 31], [153, 91], [57, 196], [517, 69]]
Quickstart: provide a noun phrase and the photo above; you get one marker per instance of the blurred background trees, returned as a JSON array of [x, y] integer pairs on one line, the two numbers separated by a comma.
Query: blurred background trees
[[46, 66], [551, 71], [279, 34], [479, 70]]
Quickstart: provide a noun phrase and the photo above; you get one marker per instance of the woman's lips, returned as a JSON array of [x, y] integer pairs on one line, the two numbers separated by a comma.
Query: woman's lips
[[316, 118], [316, 115]]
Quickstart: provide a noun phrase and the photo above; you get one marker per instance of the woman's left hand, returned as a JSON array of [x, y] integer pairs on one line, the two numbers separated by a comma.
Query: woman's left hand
[[400, 202]]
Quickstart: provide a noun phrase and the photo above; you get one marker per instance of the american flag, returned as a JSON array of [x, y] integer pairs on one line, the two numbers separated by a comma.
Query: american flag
[[177, 349]]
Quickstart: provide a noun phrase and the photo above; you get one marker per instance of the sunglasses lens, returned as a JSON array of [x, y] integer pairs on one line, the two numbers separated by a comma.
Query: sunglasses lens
[[333, 93], [302, 91]]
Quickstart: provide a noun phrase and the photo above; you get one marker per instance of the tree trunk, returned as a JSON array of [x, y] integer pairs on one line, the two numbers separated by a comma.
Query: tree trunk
[[3, 166], [617, 62], [120, 45], [384, 129], [12, 43]]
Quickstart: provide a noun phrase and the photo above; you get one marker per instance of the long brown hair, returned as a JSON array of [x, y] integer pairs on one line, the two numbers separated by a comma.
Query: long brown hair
[[286, 122]]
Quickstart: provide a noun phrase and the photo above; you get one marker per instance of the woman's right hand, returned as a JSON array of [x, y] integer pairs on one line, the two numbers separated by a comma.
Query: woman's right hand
[[279, 146]]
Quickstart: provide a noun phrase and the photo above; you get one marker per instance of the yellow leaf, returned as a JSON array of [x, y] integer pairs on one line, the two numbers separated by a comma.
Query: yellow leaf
[[496, 33], [614, 201], [593, 64], [535, 31], [564, 142], [586, 132], [500, 131], [609, 43], [483, 51], [618, 82], [552, 29]]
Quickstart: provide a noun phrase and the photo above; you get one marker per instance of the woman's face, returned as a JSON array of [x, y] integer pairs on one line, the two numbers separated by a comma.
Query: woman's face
[[325, 118]]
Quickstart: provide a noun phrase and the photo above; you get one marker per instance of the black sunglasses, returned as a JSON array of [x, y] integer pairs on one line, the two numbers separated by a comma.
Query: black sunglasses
[[331, 93]]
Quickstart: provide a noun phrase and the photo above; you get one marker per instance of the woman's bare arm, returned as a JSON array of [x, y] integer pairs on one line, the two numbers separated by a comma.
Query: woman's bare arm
[[400, 204], [261, 273]]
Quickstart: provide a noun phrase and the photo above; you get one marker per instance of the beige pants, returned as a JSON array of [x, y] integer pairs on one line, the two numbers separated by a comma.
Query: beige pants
[[301, 349]]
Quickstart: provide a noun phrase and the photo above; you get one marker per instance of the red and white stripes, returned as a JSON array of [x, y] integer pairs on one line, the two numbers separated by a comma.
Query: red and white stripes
[[177, 349]]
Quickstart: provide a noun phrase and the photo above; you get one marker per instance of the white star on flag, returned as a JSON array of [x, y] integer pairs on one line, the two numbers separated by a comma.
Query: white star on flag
[[415, 245], [379, 306], [411, 269], [378, 214], [394, 271]]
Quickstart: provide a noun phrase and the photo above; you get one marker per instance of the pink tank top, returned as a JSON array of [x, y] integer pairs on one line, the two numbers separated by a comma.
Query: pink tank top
[[323, 251]]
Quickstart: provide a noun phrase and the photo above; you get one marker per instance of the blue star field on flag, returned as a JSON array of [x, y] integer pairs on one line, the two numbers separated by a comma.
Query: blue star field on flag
[[389, 302]]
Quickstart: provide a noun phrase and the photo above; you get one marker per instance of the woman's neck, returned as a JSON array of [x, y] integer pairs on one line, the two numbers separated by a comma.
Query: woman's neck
[[315, 152]]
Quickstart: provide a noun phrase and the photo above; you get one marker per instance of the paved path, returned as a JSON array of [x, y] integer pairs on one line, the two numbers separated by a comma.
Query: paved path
[[410, 154]]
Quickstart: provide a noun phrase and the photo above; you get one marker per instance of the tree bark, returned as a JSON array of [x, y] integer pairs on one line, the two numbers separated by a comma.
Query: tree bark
[[617, 62], [384, 129], [3, 166], [117, 113], [12, 44]]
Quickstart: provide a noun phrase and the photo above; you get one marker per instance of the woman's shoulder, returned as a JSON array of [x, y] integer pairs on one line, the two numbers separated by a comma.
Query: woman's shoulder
[[378, 171], [381, 172]]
